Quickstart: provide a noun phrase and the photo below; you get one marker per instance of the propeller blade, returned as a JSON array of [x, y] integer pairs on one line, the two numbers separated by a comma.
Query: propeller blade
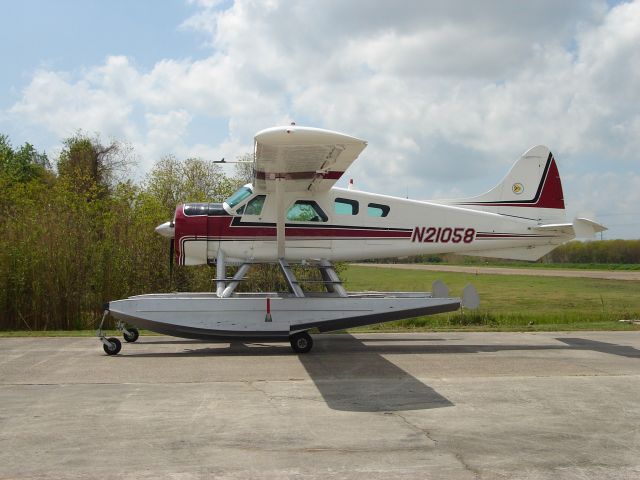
[[171, 255]]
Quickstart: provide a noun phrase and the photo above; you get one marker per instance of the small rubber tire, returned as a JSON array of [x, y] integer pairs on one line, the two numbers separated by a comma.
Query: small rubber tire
[[115, 348], [135, 334], [301, 342]]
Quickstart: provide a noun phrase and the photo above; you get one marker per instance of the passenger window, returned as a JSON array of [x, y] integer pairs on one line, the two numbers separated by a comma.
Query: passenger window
[[306, 211], [344, 206], [254, 206], [377, 210]]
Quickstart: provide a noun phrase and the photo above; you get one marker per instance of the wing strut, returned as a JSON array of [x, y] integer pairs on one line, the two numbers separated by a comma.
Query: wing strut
[[280, 226]]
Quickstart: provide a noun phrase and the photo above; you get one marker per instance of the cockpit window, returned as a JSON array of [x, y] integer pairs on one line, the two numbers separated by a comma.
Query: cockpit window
[[238, 196], [253, 206], [306, 211]]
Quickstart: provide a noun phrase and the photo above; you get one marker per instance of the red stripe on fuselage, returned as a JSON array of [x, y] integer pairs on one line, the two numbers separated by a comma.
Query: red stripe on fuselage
[[221, 228], [500, 236]]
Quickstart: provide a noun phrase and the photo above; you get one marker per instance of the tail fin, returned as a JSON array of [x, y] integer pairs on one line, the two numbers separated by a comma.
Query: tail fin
[[532, 189]]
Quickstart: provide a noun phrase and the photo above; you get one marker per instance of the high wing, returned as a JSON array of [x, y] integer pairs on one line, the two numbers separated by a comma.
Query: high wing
[[308, 159]]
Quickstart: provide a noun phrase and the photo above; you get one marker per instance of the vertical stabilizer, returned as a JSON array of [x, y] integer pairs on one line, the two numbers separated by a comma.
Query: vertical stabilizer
[[532, 189]]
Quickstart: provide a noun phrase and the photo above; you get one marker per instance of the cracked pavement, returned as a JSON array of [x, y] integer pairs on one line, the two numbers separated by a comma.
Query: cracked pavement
[[429, 405]]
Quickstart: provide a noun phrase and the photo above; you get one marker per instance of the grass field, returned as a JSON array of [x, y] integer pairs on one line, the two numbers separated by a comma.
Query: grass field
[[471, 261], [511, 302]]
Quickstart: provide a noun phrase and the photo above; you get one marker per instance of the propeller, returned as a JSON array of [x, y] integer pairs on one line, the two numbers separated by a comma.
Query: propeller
[[171, 255], [167, 230]]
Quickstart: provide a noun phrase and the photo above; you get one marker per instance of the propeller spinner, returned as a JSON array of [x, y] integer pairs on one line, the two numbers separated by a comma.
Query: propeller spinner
[[167, 230]]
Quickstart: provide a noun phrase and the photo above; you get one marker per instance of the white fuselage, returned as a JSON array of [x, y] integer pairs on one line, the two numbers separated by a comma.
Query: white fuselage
[[354, 225]]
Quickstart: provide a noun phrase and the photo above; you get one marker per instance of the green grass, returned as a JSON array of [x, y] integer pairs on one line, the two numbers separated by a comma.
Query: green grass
[[480, 262], [561, 266], [519, 303]]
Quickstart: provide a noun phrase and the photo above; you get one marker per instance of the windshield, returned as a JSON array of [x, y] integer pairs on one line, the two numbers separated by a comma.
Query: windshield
[[238, 196]]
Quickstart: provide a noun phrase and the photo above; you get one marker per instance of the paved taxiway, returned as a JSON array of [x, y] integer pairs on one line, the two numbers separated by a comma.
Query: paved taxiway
[[442, 406]]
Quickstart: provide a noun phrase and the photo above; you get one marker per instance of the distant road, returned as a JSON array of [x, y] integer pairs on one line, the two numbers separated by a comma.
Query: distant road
[[538, 272]]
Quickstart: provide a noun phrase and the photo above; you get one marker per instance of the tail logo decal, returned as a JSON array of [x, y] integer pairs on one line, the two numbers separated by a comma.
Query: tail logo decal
[[517, 188]]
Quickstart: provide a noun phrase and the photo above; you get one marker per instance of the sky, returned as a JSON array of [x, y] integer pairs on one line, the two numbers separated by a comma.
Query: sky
[[448, 94]]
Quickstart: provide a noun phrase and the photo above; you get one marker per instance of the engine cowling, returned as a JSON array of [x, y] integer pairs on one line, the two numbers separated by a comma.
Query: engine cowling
[[195, 226]]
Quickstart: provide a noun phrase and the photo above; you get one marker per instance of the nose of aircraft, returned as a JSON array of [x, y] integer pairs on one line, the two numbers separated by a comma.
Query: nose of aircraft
[[166, 229]]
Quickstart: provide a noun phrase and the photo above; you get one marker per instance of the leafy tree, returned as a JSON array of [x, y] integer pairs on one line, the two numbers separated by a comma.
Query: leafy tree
[[244, 168], [22, 165], [88, 165], [173, 181]]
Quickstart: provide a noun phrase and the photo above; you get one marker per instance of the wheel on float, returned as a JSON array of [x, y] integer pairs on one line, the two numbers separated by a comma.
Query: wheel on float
[[114, 346], [134, 334], [301, 342]]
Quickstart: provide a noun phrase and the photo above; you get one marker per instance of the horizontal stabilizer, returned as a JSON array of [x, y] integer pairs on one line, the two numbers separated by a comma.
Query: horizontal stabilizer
[[581, 227], [585, 228]]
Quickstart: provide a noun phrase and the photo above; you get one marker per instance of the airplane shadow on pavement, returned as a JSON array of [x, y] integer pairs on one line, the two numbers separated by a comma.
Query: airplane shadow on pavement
[[352, 377], [602, 347]]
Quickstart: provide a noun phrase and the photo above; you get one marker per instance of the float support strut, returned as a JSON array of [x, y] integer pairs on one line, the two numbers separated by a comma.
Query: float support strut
[[221, 272]]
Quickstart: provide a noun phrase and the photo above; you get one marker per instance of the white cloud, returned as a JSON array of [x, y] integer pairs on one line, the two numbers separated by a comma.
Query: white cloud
[[448, 94], [63, 106], [614, 196]]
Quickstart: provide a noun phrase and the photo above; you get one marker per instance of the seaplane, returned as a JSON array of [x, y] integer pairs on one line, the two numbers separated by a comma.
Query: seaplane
[[292, 213]]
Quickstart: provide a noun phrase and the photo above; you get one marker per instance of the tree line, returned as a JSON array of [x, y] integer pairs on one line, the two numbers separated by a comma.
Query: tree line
[[598, 251], [78, 232]]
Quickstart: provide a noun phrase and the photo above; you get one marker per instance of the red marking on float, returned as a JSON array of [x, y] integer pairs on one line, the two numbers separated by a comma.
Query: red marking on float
[[267, 317]]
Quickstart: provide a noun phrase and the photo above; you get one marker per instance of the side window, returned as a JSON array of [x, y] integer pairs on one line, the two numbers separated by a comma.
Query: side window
[[254, 206], [306, 211], [344, 206], [377, 210]]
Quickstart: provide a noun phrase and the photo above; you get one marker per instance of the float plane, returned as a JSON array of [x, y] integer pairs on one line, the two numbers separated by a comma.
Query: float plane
[[292, 213]]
